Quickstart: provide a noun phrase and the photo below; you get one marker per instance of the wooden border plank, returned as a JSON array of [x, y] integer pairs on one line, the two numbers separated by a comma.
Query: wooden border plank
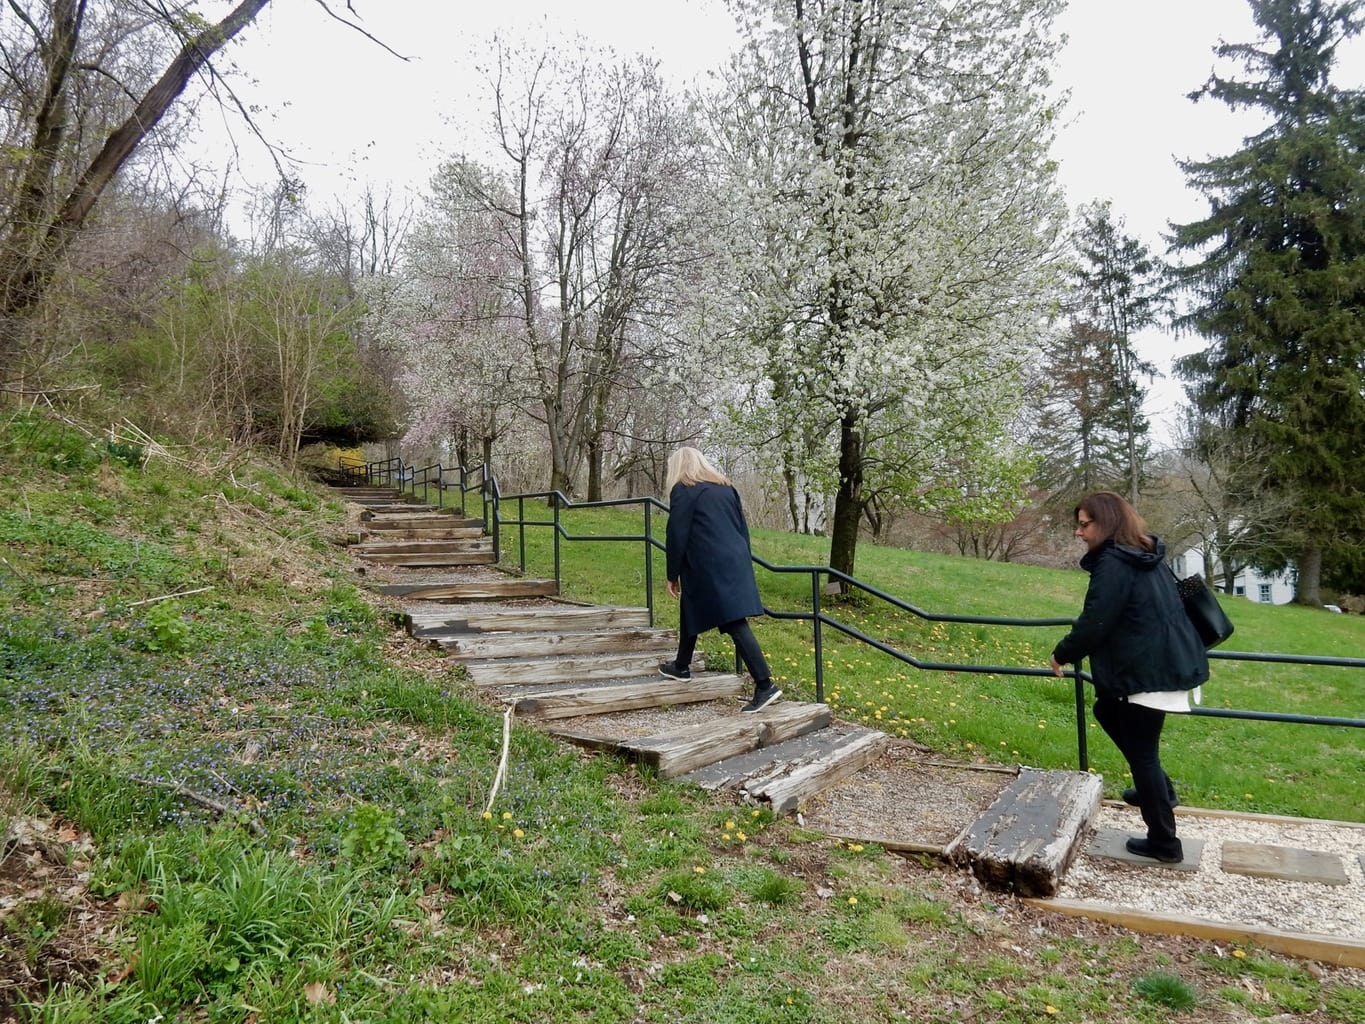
[[1324, 948]]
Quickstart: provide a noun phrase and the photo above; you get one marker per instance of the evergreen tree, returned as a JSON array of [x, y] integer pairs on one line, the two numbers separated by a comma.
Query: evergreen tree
[[1120, 291], [1278, 278], [1080, 433]]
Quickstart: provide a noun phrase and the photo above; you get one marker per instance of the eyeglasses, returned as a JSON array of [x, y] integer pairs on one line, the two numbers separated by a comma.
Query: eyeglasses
[[1081, 524]]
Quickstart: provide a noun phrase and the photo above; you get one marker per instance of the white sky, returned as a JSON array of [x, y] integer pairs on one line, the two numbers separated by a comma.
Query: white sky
[[354, 114]]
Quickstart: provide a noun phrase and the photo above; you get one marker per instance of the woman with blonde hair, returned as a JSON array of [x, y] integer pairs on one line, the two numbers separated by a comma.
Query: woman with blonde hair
[[1145, 657], [710, 569]]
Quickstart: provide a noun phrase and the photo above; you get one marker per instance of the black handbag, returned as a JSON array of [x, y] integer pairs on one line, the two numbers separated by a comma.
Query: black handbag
[[1203, 609]]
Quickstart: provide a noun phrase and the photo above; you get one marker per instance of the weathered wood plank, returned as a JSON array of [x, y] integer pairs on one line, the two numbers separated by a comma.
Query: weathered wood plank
[[1028, 837], [555, 645], [363, 492], [735, 773], [416, 547], [373, 510], [424, 533], [577, 701], [675, 753], [429, 625], [523, 671], [393, 523], [473, 590], [1342, 952], [785, 791], [433, 560]]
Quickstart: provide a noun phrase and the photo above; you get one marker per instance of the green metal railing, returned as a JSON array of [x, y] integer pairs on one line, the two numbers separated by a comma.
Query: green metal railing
[[438, 481]]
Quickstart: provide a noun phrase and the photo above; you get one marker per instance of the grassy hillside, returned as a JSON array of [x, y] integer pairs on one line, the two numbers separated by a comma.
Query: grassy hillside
[[232, 790], [1271, 767]]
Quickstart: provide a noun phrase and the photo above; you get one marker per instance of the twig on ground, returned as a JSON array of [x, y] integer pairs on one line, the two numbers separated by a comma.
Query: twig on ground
[[203, 801]]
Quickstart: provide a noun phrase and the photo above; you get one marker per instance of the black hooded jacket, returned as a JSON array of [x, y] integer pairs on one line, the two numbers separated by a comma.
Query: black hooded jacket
[[1133, 626]]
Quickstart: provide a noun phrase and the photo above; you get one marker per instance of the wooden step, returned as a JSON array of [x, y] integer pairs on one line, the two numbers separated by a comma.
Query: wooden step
[[396, 521], [400, 507], [577, 701], [349, 493], [785, 775], [788, 786], [418, 547], [557, 645], [471, 590], [1029, 836], [574, 668], [424, 533], [433, 560], [673, 754], [432, 625]]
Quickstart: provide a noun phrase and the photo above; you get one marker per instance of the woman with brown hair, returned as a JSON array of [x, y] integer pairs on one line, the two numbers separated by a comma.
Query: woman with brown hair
[[1145, 656], [710, 569]]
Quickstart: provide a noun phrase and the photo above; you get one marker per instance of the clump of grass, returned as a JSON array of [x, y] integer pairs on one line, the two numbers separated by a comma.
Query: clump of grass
[[775, 889], [692, 889], [1167, 989]]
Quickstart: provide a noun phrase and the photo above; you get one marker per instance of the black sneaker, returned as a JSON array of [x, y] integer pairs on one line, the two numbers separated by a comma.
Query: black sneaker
[[671, 670], [1144, 848], [1130, 798], [763, 696]]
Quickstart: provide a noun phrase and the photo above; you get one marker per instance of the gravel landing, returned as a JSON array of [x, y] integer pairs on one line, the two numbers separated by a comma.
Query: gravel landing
[[1212, 894]]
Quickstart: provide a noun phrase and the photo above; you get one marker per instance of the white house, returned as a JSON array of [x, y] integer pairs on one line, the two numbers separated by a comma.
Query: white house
[[1253, 584]]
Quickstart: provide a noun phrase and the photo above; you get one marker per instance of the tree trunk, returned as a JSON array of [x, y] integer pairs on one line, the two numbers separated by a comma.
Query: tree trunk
[[595, 469], [843, 545], [1307, 587]]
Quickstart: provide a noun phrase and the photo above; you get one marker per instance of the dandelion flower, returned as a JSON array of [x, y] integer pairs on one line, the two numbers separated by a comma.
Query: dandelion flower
[[853, 901], [1239, 954], [487, 815], [518, 833], [699, 870]]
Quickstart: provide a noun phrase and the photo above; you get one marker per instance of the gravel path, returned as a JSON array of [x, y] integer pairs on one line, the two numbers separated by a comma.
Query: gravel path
[[1212, 894]]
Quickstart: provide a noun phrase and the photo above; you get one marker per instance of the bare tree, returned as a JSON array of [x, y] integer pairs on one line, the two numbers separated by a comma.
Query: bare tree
[[82, 95], [592, 203], [55, 183]]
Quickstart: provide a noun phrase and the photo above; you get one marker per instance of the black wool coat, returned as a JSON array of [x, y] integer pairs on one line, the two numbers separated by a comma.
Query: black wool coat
[[1133, 626], [707, 542]]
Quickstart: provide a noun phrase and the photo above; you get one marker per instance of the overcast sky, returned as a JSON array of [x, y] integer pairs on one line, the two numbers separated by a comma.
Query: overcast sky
[[355, 114]]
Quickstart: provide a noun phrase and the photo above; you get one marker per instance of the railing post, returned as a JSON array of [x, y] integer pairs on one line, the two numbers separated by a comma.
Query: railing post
[[521, 530], [649, 566], [555, 498], [1082, 750], [819, 645]]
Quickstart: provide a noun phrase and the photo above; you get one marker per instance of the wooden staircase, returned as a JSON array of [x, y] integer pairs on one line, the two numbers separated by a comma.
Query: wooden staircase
[[589, 675], [400, 532]]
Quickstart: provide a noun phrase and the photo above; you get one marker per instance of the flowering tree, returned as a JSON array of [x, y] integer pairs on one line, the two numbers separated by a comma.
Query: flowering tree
[[574, 236], [893, 223]]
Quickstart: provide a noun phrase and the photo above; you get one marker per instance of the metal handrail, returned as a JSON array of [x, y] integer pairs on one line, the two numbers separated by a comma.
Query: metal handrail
[[494, 501]]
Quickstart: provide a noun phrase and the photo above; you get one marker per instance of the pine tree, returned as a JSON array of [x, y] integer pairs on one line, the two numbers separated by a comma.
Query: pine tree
[[1278, 278], [1120, 291]]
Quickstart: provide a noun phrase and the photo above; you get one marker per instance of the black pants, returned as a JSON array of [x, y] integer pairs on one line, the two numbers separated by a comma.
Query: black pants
[[745, 642], [1136, 731]]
